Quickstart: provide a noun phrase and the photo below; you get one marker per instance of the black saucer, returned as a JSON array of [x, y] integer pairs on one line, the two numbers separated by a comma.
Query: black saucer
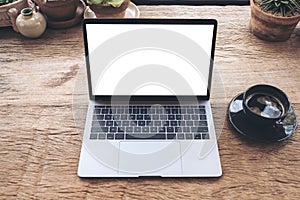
[[272, 133]]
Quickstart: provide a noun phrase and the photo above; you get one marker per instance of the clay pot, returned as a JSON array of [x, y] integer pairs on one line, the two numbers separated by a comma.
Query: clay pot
[[30, 23], [108, 11], [270, 27], [9, 12], [58, 10]]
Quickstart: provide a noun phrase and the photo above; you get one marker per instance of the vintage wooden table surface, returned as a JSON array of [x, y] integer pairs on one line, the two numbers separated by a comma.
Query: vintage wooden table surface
[[40, 144]]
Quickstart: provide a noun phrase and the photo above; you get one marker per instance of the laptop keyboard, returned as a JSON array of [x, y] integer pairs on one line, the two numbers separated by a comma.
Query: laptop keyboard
[[149, 123]]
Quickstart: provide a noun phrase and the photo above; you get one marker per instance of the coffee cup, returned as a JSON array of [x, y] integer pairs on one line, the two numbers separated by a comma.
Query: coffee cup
[[265, 105]]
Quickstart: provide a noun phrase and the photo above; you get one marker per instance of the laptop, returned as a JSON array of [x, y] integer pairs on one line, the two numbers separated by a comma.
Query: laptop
[[149, 87]]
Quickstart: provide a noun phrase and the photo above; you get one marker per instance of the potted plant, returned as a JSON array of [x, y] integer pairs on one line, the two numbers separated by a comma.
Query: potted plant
[[109, 8], [274, 20]]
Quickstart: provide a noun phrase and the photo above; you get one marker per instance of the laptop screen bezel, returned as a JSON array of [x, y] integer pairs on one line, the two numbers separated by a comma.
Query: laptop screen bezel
[[152, 98]]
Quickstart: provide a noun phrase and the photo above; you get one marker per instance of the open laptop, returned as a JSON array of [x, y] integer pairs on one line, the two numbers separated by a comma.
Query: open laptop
[[149, 86]]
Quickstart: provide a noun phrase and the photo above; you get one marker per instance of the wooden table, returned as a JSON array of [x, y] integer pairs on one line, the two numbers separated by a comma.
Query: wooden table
[[40, 145]]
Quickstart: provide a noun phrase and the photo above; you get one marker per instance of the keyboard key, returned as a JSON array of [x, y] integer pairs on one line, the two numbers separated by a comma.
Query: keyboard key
[[132, 117], [143, 111], [141, 123], [171, 136], [155, 117], [108, 117], [202, 129], [113, 129], [124, 117], [189, 123], [135, 111], [162, 129], [145, 136], [104, 111], [118, 123], [186, 129], [157, 123], [116, 117], [178, 117], [174, 111], [119, 136], [187, 117], [190, 111], [129, 129], [205, 136], [202, 117], [199, 111], [102, 136], [125, 123], [180, 136], [98, 123], [200, 123], [121, 129], [153, 129], [147, 117], [170, 129], [139, 117], [109, 123], [189, 136], [163, 117], [96, 129], [137, 129], [104, 129], [195, 117], [174, 123], [145, 129], [183, 110], [166, 123], [151, 111], [178, 129], [110, 136], [181, 123], [167, 111], [98, 117], [159, 111], [197, 136], [120, 110], [202, 111], [194, 129], [93, 136], [171, 117], [133, 123]]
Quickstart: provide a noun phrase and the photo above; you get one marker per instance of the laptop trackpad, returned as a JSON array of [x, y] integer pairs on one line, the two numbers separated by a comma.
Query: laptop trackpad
[[153, 158]]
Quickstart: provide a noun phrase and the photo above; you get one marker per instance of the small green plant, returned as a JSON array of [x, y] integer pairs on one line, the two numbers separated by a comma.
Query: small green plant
[[3, 2], [280, 7], [114, 3]]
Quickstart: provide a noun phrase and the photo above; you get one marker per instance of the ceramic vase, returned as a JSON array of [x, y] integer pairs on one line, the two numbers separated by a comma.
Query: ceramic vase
[[31, 24]]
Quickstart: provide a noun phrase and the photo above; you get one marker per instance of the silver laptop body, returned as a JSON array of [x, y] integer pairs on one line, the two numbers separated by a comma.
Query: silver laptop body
[[149, 87]]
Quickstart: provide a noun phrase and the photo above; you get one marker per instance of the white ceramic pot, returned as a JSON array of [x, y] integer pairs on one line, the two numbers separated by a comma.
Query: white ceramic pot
[[30, 23]]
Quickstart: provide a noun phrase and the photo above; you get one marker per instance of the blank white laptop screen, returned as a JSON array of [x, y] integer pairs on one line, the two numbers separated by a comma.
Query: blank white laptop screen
[[149, 59]]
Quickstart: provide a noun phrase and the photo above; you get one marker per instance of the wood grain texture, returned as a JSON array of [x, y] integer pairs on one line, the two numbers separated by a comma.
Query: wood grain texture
[[40, 144]]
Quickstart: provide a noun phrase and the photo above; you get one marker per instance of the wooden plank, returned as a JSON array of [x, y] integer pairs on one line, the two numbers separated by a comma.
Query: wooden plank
[[40, 144]]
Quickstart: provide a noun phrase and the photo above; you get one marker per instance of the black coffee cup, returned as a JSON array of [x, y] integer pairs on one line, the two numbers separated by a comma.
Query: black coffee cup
[[265, 105]]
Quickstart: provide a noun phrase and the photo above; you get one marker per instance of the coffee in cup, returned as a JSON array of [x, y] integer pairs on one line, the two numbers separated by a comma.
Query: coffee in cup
[[265, 104]]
